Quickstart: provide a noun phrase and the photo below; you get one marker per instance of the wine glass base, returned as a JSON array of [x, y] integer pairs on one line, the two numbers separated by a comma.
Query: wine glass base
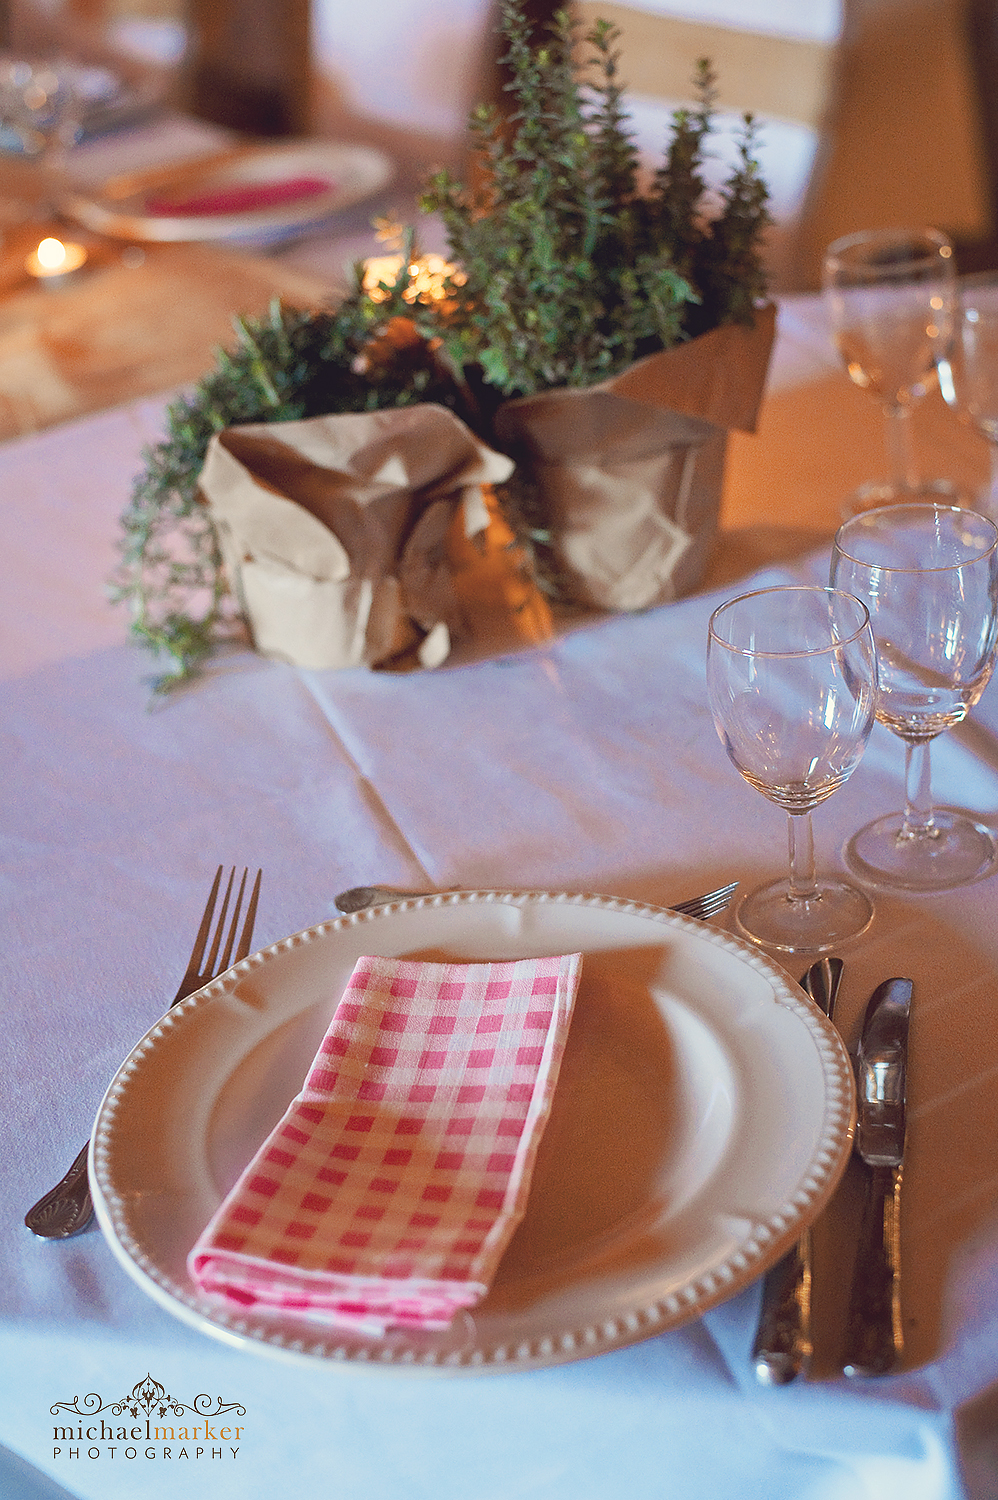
[[956, 852], [872, 496], [837, 912]]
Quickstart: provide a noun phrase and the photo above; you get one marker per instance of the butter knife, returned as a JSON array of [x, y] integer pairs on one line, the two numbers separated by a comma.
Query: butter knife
[[783, 1345], [874, 1332]]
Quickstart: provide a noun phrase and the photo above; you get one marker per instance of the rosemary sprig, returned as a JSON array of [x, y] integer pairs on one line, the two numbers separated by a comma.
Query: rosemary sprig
[[565, 281]]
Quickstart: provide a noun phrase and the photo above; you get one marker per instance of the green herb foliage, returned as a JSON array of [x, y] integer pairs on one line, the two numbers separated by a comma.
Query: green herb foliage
[[566, 282], [571, 272]]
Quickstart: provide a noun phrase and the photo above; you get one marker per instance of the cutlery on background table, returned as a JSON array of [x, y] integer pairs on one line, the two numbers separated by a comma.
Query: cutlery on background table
[[782, 1346], [67, 1208], [874, 1332], [360, 897], [173, 176]]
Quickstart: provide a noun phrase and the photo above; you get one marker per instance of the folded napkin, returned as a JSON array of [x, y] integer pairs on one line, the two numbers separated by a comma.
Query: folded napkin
[[240, 198], [389, 1190]]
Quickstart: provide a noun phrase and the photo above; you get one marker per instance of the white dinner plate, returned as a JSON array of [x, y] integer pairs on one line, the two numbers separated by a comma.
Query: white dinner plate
[[347, 174], [703, 1115]]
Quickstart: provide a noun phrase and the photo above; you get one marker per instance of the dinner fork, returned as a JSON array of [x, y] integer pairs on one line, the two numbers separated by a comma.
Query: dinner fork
[[68, 1208], [360, 897]]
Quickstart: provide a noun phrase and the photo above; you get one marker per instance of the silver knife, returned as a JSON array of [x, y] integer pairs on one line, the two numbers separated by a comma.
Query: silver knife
[[783, 1347], [874, 1332]]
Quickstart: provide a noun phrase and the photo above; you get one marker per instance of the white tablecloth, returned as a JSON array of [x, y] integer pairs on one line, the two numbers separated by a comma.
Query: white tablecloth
[[590, 763]]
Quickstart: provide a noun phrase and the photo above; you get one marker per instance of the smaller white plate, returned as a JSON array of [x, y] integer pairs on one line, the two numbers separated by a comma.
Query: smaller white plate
[[351, 173]]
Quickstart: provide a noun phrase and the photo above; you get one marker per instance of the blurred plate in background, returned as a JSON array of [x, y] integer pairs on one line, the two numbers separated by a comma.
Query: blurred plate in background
[[254, 194]]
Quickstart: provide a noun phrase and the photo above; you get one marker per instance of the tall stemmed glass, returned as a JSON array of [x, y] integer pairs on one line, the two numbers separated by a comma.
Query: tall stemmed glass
[[40, 106], [791, 681], [929, 576], [891, 297], [969, 377]]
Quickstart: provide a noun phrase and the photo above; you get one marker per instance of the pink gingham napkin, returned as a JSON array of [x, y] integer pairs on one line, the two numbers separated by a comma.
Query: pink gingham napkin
[[389, 1190]]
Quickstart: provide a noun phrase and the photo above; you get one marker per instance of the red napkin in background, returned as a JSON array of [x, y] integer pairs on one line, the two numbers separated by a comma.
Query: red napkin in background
[[240, 198]]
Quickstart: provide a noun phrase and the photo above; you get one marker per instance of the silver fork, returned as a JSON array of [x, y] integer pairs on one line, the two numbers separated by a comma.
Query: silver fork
[[68, 1207], [360, 897]]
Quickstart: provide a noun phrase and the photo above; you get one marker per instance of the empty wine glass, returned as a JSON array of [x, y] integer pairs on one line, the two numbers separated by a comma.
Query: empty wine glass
[[791, 681], [891, 296], [968, 378], [40, 106], [929, 576]]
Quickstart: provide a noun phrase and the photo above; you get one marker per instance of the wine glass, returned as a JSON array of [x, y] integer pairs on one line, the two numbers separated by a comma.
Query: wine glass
[[968, 378], [40, 107], [929, 576], [891, 296], [791, 681]]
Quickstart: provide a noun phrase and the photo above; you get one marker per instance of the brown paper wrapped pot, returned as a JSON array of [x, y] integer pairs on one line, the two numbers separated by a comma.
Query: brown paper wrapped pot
[[334, 531], [630, 471]]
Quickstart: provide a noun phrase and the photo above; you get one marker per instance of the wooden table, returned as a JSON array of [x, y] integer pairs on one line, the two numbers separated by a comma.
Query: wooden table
[[136, 320], [786, 483]]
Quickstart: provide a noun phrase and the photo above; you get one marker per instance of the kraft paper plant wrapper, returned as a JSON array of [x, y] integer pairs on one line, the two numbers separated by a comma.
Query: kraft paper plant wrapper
[[631, 470], [334, 529]]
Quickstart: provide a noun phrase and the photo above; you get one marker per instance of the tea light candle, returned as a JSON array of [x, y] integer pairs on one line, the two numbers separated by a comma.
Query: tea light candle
[[53, 263], [428, 276]]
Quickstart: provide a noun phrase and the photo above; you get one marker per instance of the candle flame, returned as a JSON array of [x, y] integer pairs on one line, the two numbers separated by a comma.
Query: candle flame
[[53, 261], [51, 254]]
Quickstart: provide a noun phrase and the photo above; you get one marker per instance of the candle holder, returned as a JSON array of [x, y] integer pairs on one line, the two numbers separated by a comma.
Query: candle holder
[[55, 264]]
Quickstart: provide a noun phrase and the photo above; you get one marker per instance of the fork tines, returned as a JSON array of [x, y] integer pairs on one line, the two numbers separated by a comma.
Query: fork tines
[[710, 904], [213, 965]]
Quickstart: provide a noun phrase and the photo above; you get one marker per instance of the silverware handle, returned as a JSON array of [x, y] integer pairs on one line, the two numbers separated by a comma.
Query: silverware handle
[[874, 1333], [67, 1208], [782, 1345]]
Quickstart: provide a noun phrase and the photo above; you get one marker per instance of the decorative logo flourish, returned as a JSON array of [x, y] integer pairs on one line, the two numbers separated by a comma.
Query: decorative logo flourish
[[151, 1399]]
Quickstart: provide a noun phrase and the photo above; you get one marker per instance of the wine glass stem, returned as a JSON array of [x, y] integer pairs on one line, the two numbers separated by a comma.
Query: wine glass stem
[[917, 789], [901, 446], [990, 500], [52, 175], [800, 837]]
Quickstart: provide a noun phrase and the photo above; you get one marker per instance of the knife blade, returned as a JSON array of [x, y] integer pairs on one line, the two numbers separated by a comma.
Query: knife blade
[[783, 1347], [874, 1330]]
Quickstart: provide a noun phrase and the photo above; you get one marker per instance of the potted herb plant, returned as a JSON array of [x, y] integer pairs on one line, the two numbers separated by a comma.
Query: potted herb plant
[[601, 331], [614, 331]]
